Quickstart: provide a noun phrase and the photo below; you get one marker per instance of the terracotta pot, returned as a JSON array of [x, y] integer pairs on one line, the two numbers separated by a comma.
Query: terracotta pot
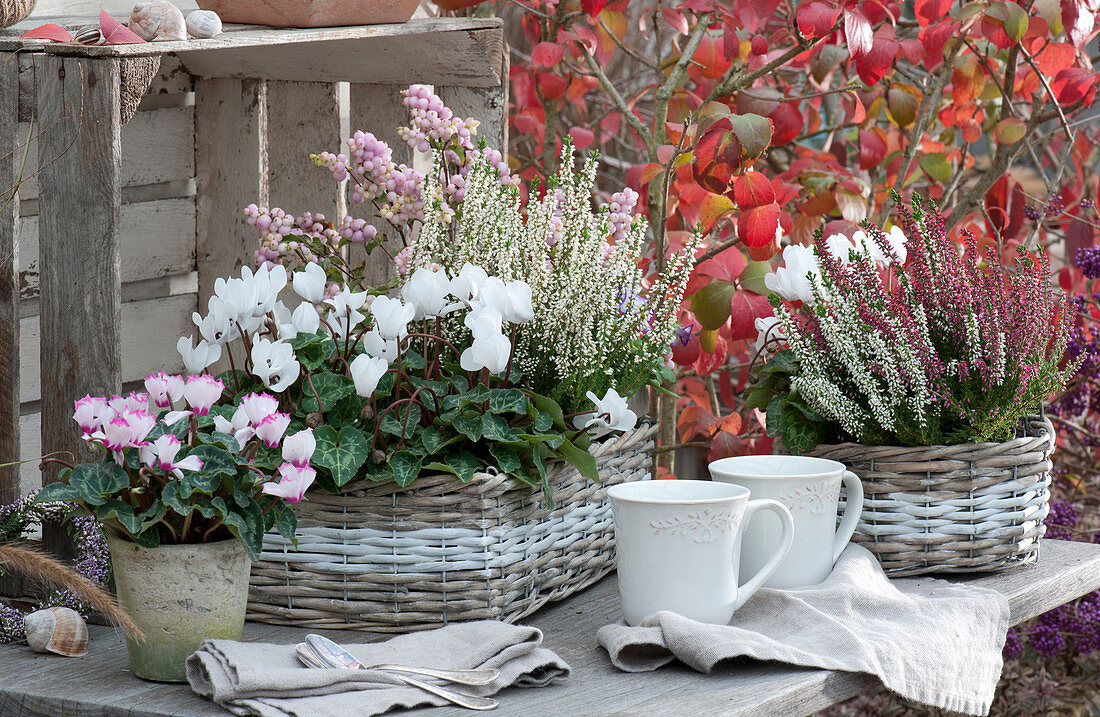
[[179, 595], [312, 13]]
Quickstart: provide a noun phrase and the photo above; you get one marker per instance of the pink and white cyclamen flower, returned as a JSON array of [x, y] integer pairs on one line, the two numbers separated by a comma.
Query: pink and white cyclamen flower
[[293, 482]]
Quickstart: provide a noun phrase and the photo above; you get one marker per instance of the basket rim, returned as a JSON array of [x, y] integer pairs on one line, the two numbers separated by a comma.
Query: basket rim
[[1046, 432]]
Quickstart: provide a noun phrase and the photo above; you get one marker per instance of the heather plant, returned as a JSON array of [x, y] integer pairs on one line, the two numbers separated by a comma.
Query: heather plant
[[595, 326], [919, 343]]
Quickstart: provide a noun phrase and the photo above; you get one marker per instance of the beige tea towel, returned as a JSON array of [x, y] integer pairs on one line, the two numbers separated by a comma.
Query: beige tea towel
[[927, 640], [267, 680]]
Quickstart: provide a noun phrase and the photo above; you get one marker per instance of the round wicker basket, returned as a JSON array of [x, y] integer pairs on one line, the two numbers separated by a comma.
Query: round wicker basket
[[12, 11], [970, 507]]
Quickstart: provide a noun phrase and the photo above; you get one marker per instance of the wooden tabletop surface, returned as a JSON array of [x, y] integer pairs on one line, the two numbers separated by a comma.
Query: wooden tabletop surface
[[100, 682]]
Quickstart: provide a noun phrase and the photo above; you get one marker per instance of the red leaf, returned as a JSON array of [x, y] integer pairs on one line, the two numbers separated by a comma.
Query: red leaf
[[878, 61], [551, 85], [711, 59], [1074, 83], [676, 19], [753, 132], [745, 308], [933, 38], [1004, 204], [547, 54], [759, 45], [710, 360], [788, 123], [49, 31], [726, 444], [695, 420], [872, 149], [649, 172], [816, 19], [726, 265], [713, 208], [717, 158], [686, 355], [858, 33], [752, 189], [756, 226], [931, 10], [593, 7], [1055, 57], [1078, 20], [582, 137], [114, 32]]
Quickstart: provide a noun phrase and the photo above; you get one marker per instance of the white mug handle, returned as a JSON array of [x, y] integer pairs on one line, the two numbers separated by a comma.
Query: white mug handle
[[785, 541], [853, 509]]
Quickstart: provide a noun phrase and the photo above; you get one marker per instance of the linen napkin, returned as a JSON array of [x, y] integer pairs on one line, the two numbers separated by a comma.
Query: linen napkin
[[267, 680], [928, 640]]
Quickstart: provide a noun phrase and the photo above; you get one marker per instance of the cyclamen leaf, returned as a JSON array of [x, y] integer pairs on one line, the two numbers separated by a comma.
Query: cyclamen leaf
[[495, 428], [507, 400], [57, 491], [402, 420], [405, 467], [507, 460], [330, 387], [584, 461], [98, 481], [340, 453], [287, 523], [465, 465]]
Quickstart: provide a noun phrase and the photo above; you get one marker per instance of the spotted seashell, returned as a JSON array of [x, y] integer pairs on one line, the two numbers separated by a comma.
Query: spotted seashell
[[204, 24], [58, 630], [88, 36]]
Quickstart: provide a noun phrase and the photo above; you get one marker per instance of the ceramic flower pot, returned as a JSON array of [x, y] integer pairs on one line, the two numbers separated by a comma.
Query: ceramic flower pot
[[12, 11], [179, 595], [312, 13]]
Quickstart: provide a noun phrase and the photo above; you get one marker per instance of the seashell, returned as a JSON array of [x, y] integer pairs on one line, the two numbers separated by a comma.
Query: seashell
[[158, 20], [204, 23], [88, 36], [58, 630]]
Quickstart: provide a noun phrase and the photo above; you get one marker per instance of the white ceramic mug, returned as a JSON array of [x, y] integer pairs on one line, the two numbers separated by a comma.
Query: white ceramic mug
[[810, 488], [678, 543]]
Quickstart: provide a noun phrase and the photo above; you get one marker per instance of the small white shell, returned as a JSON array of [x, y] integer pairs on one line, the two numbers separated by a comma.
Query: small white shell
[[58, 630], [204, 24], [158, 20]]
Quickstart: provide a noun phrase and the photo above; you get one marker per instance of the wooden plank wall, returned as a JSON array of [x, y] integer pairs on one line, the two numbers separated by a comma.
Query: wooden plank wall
[[156, 230]]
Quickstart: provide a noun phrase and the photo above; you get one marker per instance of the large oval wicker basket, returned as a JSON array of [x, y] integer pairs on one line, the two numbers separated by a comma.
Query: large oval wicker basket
[[949, 509], [12, 11], [380, 557]]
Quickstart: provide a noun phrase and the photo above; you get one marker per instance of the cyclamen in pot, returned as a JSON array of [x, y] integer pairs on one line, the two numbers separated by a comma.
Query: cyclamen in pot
[[185, 497]]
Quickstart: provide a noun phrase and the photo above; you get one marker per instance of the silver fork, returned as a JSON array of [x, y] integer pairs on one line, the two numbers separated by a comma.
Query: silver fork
[[309, 656]]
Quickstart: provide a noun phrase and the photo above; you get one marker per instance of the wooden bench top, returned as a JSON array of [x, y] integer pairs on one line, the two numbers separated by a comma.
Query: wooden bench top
[[100, 683]]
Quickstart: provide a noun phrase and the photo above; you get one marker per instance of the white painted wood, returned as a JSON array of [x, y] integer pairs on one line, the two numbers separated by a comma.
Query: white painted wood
[[303, 118], [231, 173], [30, 445], [158, 239], [488, 105], [149, 333], [464, 52], [157, 146]]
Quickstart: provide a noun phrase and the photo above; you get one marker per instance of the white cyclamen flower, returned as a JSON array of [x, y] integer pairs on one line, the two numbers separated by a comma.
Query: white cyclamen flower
[[366, 372], [375, 345], [611, 413], [217, 326], [466, 284], [483, 322], [426, 291], [310, 283], [512, 300], [898, 241], [392, 317], [273, 363], [305, 318], [197, 358], [792, 280], [491, 352], [769, 330], [267, 282]]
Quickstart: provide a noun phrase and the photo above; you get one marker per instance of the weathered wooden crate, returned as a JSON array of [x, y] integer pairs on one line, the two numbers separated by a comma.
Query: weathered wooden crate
[[120, 229]]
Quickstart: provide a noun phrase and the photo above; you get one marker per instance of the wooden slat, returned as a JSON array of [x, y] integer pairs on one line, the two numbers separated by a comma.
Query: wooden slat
[[10, 159], [158, 239], [462, 52], [80, 155], [148, 337], [303, 118], [230, 173], [158, 146], [378, 109], [488, 105], [30, 446]]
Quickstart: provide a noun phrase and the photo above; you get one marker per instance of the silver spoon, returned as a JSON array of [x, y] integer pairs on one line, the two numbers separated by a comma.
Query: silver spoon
[[332, 654], [310, 658]]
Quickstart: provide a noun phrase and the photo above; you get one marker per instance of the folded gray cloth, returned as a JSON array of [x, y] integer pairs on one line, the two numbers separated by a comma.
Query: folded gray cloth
[[928, 640], [250, 678]]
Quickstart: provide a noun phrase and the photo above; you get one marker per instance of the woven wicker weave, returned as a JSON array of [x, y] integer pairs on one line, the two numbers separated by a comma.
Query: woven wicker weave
[[380, 557], [12, 11], [949, 509]]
